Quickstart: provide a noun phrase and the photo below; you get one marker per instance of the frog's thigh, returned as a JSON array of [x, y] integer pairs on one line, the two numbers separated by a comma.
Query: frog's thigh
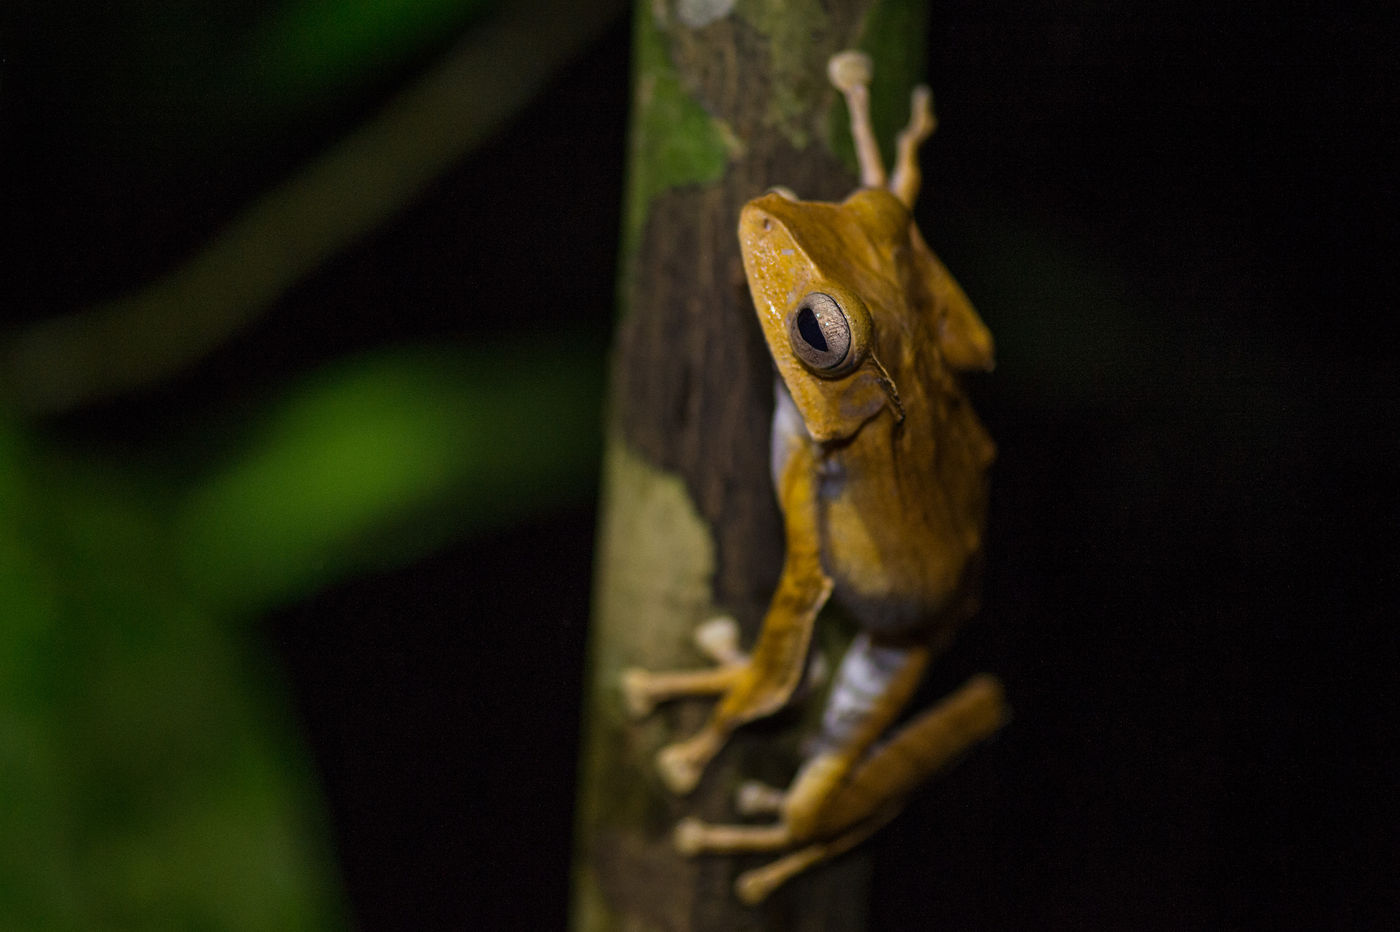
[[919, 749]]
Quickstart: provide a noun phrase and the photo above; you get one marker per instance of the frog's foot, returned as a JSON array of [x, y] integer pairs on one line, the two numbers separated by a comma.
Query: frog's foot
[[756, 798], [693, 837], [718, 639], [638, 696], [682, 763]]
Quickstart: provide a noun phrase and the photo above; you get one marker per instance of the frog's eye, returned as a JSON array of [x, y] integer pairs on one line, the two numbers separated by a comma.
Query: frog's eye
[[820, 332]]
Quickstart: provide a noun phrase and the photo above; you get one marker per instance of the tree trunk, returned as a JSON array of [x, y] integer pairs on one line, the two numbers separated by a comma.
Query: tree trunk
[[727, 102]]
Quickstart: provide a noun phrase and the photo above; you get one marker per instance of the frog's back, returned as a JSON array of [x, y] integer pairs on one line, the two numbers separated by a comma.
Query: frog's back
[[903, 514]]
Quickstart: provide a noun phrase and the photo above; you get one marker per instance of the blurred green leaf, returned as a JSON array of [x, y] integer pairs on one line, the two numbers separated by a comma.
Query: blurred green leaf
[[148, 773], [384, 457], [150, 776]]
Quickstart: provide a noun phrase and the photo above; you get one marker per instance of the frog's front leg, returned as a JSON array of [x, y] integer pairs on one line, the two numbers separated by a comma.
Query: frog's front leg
[[717, 639], [760, 683]]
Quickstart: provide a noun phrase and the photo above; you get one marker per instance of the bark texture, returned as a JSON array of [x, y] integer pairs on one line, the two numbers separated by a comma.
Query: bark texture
[[729, 99]]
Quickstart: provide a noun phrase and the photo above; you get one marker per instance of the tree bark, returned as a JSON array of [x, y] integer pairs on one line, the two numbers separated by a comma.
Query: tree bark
[[728, 101]]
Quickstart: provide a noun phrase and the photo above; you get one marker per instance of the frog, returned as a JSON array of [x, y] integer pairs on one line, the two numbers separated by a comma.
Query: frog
[[881, 469]]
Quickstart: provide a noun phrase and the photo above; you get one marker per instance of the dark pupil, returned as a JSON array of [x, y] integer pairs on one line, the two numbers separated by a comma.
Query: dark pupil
[[810, 330]]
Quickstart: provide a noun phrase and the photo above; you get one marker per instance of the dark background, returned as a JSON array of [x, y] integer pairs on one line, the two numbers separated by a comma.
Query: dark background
[[1178, 224]]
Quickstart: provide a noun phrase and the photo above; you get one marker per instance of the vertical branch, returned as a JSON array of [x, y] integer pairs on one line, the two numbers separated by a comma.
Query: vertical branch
[[728, 101]]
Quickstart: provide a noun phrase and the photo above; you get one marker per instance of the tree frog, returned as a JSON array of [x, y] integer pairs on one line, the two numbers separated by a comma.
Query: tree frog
[[880, 467]]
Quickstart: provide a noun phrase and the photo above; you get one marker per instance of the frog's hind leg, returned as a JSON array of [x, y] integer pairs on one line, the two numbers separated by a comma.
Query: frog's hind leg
[[872, 685], [849, 791], [754, 886], [919, 749], [875, 792]]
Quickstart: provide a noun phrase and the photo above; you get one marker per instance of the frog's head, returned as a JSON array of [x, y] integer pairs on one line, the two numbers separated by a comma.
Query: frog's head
[[852, 303], [813, 270]]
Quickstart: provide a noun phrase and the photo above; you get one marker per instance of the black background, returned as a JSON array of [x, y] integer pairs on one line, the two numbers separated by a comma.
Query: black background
[[1193, 520]]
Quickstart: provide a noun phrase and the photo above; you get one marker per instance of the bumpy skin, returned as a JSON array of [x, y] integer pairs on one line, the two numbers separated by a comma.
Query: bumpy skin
[[880, 466]]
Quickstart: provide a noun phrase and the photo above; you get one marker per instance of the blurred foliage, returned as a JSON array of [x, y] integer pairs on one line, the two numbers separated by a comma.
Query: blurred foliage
[[379, 458], [150, 776], [147, 770], [151, 769]]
